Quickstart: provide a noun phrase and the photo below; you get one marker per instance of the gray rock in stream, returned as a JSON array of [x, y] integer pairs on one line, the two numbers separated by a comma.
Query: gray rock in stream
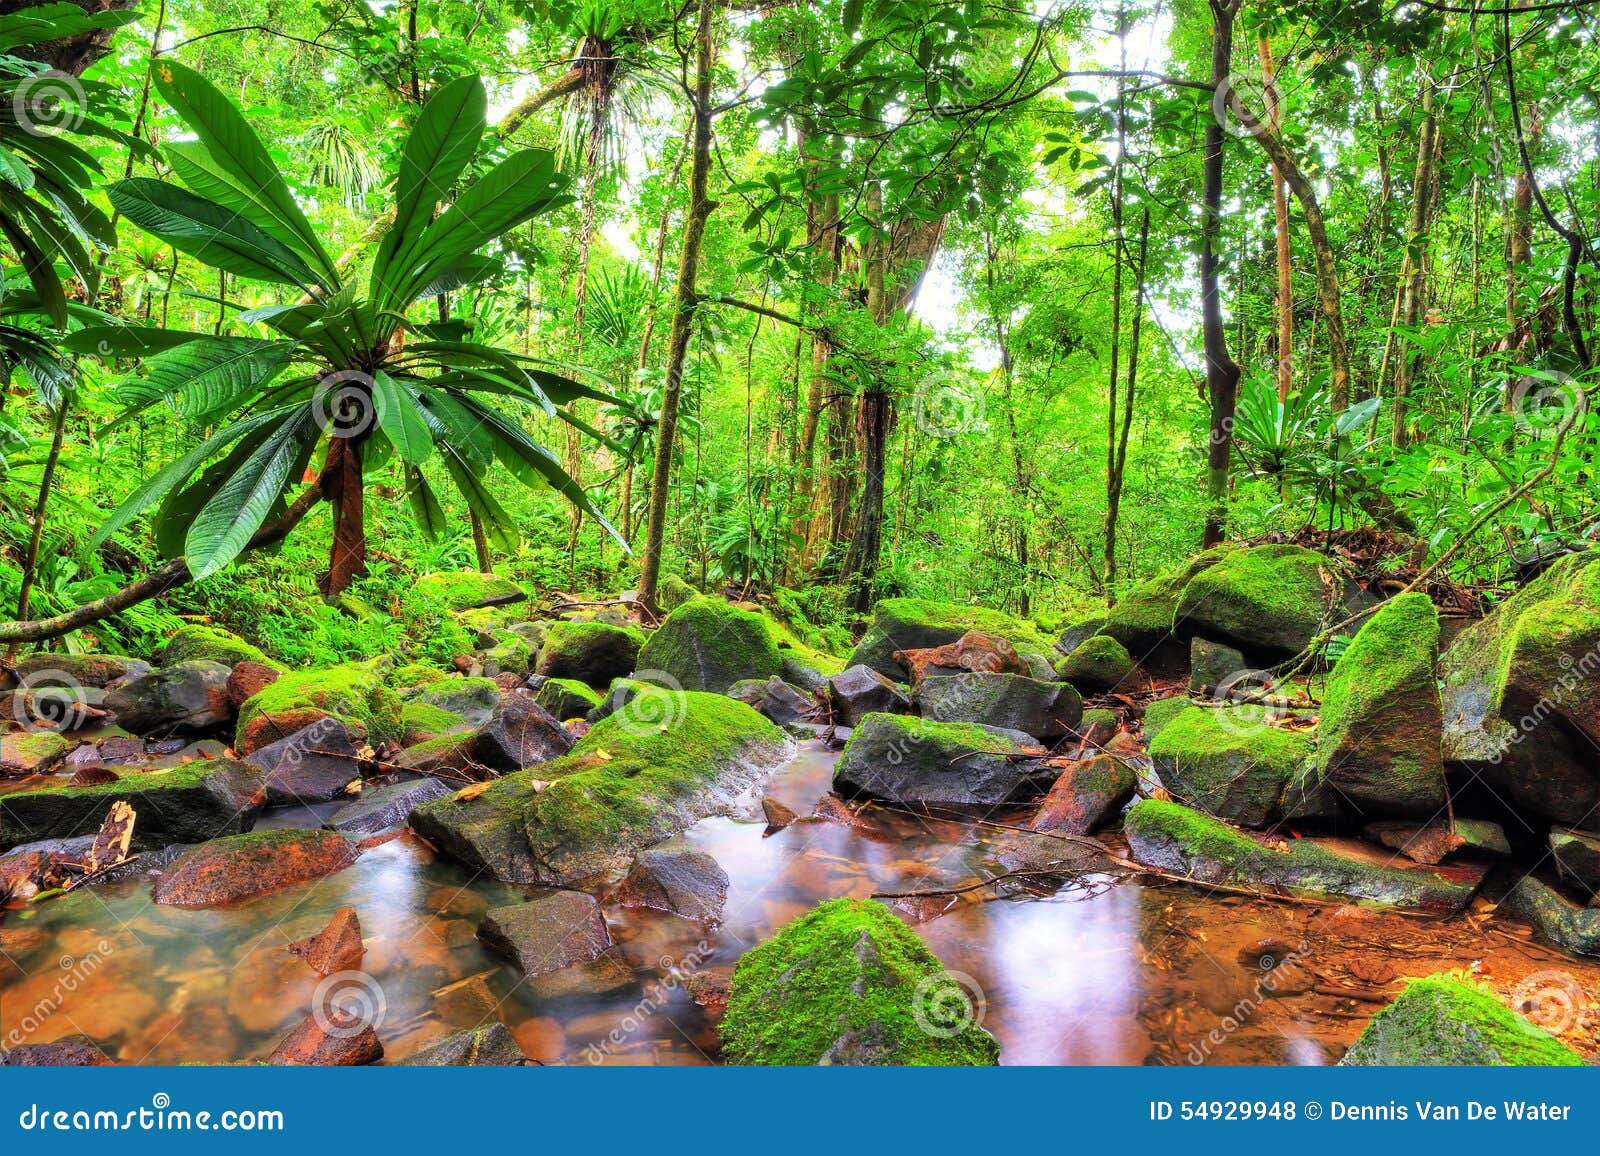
[[384, 808]]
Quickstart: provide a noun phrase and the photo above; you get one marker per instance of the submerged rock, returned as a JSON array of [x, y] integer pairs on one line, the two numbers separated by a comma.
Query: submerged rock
[[74, 1051], [1099, 663], [384, 808], [916, 623], [242, 866], [910, 760], [337, 947], [705, 644], [625, 786], [1522, 694], [1440, 1021], [1045, 710], [859, 691], [848, 983], [310, 766], [1185, 842], [186, 696], [1378, 739], [489, 1046], [590, 652], [1561, 922], [1266, 600], [1229, 761], [1088, 795], [186, 804], [547, 933], [354, 694], [676, 878]]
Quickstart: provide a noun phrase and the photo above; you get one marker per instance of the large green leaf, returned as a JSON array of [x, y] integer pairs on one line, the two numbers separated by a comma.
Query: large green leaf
[[237, 152], [425, 506], [207, 375], [235, 512], [208, 231], [436, 153], [497, 523], [126, 340], [400, 420]]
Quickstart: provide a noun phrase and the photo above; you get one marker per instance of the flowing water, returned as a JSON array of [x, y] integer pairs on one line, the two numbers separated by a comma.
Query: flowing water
[[1104, 971]]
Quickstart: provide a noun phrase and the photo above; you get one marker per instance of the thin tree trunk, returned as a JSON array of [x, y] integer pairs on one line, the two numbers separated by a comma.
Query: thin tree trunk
[[480, 544], [1413, 285], [700, 207], [30, 560], [1119, 459], [1280, 218], [1222, 372]]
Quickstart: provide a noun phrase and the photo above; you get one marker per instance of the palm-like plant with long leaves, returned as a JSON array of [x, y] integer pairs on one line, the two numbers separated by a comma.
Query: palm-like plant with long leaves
[[345, 370]]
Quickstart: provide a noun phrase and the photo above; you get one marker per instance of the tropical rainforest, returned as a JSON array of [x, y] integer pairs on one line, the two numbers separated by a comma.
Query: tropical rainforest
[[529, 526]]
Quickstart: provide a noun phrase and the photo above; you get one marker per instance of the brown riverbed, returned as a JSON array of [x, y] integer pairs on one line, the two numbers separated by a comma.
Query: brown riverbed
[[1101, 971]]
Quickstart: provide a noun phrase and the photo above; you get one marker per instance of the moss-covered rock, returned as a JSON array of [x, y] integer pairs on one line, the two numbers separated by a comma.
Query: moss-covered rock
[[1186, 842], [1442, 1021], [1097, 663], [672, 592], [1379, 736], [187, 804], [623, 787], [53, 668], [242, 866], [1229, 761], [1268, 601], [1577, 857], [1555, 918], [421, 722], [355, 694], [590, 652], [1086, 796], [190, 696], [1045, 710], [1142, 618], [212, 644], [848, 983], [708, 645], [941, 764], [1522, 693], [510, 654], [414, 674], [1161, 711], [918, 623], [468, 589], [567, 698], [28, 752]]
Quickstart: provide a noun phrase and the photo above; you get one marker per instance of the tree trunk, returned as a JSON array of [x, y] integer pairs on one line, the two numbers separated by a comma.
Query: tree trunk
[[480, 544], [1222, 372], [700, 207], [30, 560], [874, 419], [341, 484], [1414, 274], [1280, 218]]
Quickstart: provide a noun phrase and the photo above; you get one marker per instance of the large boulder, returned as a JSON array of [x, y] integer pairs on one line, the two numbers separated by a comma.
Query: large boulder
[[1229, 761], [310, 766], [848, 983], [904, 759], [916, 624], [1142, 618], [468, 589], [625, 786], [1522, 696], [193, 643], [185, 696], [1577, 857], [1378, 739], [1445, 1022], [1045, 710], [547, 933], [705, 644], [1098, 663], [242, 866], [354, 694], [566, 698], [1555, 918], [859, 691], [1185, 842], [187, 804], [590, 652], [1269, 601]]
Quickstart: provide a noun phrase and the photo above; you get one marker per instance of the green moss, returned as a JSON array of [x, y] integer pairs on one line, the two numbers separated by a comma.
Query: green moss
[[1379, 734], [466, 589], [1099, 662], [511, 652], [567, 698], [414, 674], [1162, 711], [354, 693], [1099, 717], [592, 652], [672, 592], [1271, 598], [1229, 761], [1143, 616], [1198, 834], [959, 737], [422, 721], [213, 645], [846, 983], [1445, 1020], [26, 751], [708, 645]]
